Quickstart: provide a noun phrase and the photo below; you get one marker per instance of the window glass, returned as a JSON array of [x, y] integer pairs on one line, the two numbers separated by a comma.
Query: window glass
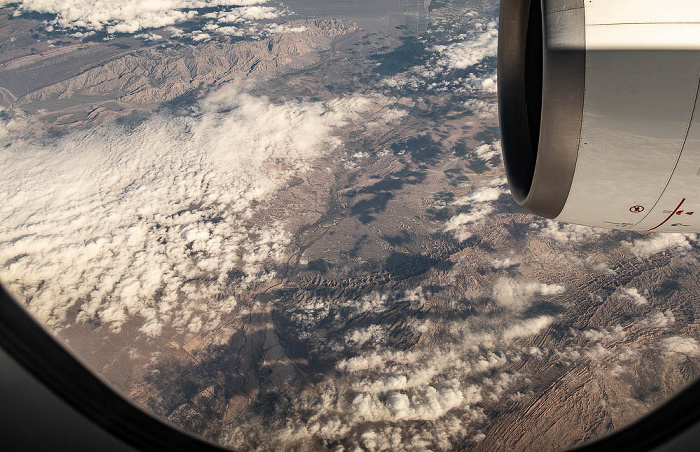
[[287, 225]]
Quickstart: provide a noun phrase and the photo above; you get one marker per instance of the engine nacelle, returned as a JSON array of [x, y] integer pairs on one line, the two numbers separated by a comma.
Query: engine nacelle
[[597, 108]]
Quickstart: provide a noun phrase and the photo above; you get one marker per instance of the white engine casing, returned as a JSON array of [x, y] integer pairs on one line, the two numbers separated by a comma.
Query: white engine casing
[[616, 143]]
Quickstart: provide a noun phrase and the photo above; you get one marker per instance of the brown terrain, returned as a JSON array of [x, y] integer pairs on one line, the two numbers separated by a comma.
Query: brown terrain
[[401, 318]]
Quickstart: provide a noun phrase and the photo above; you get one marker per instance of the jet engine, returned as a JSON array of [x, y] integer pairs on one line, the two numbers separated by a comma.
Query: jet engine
[[598, 109]]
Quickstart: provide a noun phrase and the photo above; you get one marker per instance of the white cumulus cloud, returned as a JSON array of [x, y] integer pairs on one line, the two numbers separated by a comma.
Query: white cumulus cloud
[[660, 319], [147, 220], [518, 294], [426, 397], [566, 232], [681, 346], [127, 16], [634, 295], [457, 225], [657, 243], [479, 200], [246, 13], [462, 55]]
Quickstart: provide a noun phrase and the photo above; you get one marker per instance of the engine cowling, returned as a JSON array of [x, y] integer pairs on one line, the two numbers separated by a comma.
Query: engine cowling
[[597, 109]]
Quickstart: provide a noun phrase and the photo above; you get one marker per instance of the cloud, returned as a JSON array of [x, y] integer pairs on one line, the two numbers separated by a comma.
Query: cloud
[[466, 51], [456, 225], [566, 232], [149, 36], [660, 319], [605, 347], [374, 334], [482, 109], [246, 22], [479, 200], [427, 403], [526, 328], [426, 396], [616, 332], [149, 220], [657, 243], [12, 122], [634, 295], [677, 345], [462, 55], [517, 294], [488, 151], [386, 396], [597, 352], [488, 84], [199, 36], [429, 394], [480, 195], [506, 262], [589, 263], [381, 439], [283, 28], [244, 14], [130, 16], [227, 31]]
